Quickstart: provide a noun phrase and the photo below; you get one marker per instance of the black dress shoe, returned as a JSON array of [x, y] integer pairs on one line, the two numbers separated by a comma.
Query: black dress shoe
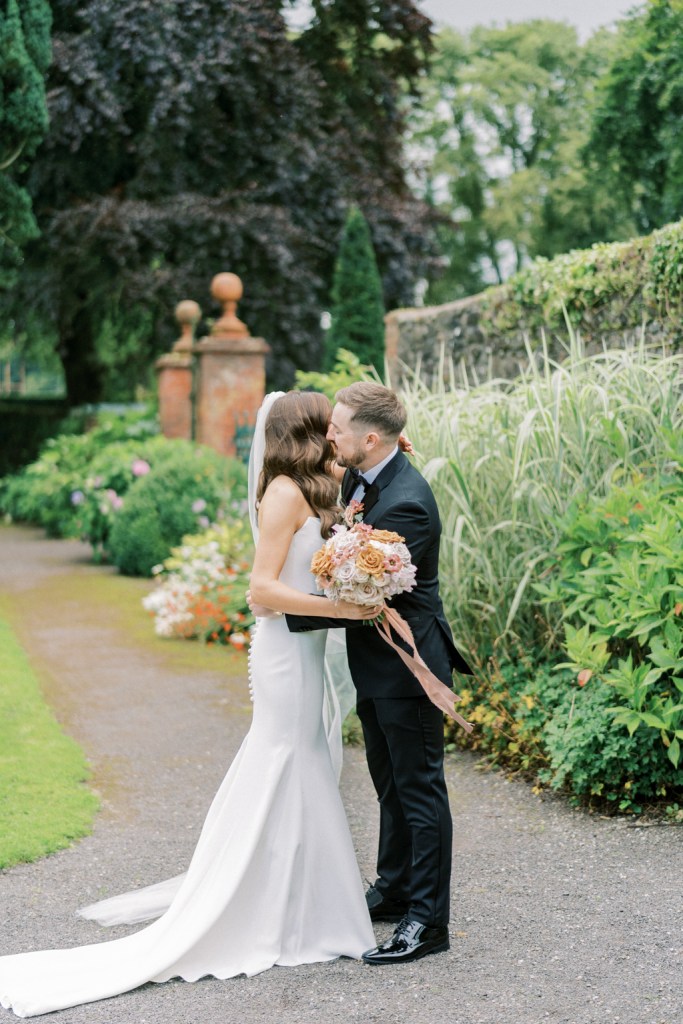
[[411, 941], [384, 908]]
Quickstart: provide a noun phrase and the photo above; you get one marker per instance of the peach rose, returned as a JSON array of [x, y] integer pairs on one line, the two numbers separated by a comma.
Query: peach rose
[[387, 537], [371, 560], [322, 563]]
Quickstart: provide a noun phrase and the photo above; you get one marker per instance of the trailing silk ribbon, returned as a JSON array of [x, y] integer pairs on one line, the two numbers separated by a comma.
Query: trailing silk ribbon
[[437, 691]]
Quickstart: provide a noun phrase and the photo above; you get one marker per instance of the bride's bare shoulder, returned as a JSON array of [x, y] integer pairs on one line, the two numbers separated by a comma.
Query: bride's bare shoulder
[[283, 496]]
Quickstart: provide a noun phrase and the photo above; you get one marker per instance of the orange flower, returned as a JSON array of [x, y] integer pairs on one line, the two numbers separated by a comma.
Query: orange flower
[[584, 676], [322, 564], [371, 560], [387, 537]]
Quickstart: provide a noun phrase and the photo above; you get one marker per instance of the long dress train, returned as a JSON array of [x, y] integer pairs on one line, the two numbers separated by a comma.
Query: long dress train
[[273, 879]]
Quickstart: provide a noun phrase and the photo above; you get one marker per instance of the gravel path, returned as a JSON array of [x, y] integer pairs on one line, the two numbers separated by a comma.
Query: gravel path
[[556, 916]]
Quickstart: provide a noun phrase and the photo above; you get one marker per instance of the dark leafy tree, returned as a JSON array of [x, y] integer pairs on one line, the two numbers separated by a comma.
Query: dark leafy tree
[[24, 58], [636, 136], [357, 306], [370, 55], [194, 137]]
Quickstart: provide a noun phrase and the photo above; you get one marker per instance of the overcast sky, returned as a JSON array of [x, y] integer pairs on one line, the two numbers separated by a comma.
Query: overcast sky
[[587, 15]]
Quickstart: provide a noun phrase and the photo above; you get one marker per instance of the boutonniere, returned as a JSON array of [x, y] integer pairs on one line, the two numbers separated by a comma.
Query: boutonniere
[[353, 513]]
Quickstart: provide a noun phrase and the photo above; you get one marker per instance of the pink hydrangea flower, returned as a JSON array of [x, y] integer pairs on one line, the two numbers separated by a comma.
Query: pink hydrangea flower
[[115, 500], [140, 467]]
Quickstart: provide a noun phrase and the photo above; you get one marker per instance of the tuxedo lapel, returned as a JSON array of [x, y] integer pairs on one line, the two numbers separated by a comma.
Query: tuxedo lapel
[[348, 487]]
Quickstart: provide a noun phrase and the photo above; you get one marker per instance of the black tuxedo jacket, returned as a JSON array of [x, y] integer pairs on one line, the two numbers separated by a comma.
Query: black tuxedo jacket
[[400, 499]]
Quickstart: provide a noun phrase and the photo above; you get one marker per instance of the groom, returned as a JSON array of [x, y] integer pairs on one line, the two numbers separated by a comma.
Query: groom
[[403, 730]]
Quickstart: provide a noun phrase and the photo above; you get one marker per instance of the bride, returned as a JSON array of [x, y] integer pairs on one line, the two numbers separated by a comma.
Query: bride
[[273, 879]]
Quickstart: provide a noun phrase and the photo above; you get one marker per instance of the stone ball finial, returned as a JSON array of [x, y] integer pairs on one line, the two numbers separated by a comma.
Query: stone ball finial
[[188, 314], [227, 289]]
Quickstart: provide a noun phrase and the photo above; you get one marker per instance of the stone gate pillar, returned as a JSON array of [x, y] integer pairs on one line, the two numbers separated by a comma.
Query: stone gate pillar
[[231, 375], [175, 376]]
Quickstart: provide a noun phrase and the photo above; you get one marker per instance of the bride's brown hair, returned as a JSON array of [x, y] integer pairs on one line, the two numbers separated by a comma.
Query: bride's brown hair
[[296, 446]]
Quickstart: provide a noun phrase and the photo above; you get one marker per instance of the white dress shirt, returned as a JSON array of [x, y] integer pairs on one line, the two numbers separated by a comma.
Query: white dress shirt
[[371, 475]]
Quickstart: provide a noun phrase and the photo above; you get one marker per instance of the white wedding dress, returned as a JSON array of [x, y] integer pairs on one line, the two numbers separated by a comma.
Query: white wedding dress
[[273, 879]]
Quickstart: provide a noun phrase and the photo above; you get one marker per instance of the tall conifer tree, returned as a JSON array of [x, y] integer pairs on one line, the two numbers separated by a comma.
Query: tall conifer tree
[[357, 304], [24, 59]]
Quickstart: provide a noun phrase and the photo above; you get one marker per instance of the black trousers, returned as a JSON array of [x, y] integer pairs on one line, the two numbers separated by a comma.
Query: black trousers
[[404, 747]]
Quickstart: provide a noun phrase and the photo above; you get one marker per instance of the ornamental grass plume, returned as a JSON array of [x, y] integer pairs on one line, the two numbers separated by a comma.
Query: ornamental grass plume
[[506, 459]]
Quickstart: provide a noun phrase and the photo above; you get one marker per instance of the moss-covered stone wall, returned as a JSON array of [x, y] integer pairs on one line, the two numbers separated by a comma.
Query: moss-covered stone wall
[[609, 293]]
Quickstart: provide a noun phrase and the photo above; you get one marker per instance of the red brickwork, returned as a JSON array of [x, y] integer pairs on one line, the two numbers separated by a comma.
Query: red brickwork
[[231, 385], [174, 373]]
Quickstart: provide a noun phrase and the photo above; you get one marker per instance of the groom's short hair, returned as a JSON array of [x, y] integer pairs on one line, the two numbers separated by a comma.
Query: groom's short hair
[[373, 405]]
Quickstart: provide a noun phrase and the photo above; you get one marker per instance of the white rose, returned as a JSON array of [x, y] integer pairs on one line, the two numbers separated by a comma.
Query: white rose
[[344, 573]]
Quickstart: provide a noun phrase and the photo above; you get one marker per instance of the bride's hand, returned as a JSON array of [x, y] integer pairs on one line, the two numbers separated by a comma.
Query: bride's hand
[[259, 611], [347, 610]]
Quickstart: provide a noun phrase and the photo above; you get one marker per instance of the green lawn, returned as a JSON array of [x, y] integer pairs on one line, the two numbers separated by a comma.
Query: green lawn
[[44, 801]]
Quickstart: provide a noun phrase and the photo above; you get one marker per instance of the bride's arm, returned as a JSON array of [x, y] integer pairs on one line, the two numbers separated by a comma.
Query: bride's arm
[[282, 512]]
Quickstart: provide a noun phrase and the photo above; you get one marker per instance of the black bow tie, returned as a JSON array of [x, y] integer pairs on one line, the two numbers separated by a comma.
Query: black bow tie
[[358, 477]]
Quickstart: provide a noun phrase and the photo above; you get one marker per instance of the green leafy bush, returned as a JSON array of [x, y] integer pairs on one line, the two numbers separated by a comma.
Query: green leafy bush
[[183, 491], [70, 465], [590, 756], [610, 286], [347, 369], [617, 583], [665, 287], [112, 471], [509, 703], [41, 493], [78, 487]]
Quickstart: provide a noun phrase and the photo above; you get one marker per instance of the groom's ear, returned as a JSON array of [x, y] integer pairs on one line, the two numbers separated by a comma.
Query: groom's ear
[[372, 439]]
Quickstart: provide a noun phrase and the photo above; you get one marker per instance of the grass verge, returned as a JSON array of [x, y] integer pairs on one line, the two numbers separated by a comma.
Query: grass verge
[[44, 802]]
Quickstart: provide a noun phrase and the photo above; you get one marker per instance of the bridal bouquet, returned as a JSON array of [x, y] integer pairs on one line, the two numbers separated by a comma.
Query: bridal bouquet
[[363, 565], [367, 566]]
